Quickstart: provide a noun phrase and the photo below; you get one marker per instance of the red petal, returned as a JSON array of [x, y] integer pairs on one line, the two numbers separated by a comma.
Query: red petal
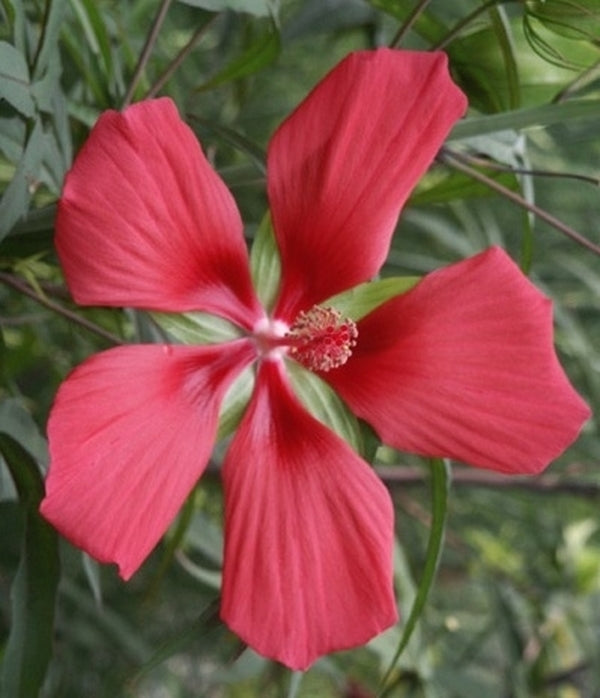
[[144, 220], [343, 164], [464, 366], [130, 433], [309, 532]]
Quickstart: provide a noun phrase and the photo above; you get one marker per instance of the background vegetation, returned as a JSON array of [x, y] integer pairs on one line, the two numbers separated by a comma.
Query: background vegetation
[[515, 610]]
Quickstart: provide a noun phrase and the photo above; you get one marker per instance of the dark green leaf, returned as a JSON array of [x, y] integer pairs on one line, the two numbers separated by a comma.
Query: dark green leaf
[[48, 56], [263, 51], [34, 587]]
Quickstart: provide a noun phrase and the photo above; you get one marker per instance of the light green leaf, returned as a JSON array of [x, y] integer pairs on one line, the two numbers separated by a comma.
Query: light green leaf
[[527, 118], [15, 86], [263, 51], [362, 299], [265, 264], [324, 404], [259, 8], [196, 327]]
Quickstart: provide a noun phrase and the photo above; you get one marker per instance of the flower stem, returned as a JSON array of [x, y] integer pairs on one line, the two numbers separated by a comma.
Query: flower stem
[[408, 23], [146, 51], [491, 165], [456, 161], [27, 290]]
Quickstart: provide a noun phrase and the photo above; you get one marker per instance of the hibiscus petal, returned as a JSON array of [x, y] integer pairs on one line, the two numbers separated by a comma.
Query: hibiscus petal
[[130, 433], [145, 221], [308, 534], [464, 366], [343, 164]]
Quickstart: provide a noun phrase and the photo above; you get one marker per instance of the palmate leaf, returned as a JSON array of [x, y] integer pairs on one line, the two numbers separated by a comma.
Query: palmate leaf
[[34, 587]]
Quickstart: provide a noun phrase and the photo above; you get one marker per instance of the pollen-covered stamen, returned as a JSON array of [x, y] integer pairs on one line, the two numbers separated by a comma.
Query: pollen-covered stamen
[[321, 338]]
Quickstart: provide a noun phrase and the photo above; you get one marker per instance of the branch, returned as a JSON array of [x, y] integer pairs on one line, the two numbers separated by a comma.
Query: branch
[[27, 290], [179, 58], [408, 23], [146, 51], [457, 161], [407, 476]]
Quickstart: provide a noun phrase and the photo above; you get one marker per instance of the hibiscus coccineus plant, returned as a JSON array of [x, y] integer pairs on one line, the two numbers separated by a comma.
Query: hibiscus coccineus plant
[[461, 365]]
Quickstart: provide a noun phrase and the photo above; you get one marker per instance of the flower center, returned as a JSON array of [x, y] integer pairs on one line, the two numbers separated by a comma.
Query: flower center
[[321, 338]]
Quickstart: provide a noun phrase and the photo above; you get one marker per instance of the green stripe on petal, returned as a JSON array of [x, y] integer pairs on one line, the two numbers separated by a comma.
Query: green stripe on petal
[[196, 327], [362, 299], [265, 263], [325, 404]]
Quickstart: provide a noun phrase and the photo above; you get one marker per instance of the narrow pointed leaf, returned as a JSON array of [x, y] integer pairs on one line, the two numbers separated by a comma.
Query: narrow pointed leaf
[[34, 587], [440, 484]]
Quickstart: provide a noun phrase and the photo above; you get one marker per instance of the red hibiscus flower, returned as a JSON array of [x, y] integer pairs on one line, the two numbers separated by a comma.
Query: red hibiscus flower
[[462, 365]]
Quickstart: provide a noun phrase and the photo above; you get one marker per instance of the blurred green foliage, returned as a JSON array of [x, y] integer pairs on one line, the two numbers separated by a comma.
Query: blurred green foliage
[[516, 607]]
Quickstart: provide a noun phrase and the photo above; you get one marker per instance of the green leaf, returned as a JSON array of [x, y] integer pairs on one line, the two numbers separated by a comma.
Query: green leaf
[[362, 299], [325, 404], [575, 19], [15, 86], [261, 52], [265, 264], [95, 31], [237, 140], [203, 634], [259, 8], [33, 592], [15, 200], [491, 87], [504, 39], [196, 327], [48, 56], [527, 118], [440, 485]]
